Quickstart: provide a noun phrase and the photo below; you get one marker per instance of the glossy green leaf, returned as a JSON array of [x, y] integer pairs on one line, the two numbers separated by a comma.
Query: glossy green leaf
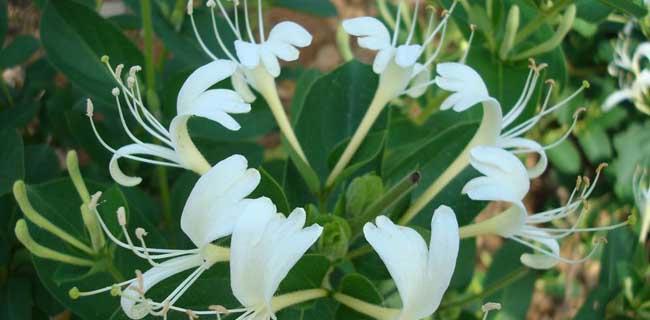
[[596, 143], [321, 8], [76, 49], [631, 7], [631, 146], [357, 286], [4, 20], [19, 299], [41, 164], [270, 188]]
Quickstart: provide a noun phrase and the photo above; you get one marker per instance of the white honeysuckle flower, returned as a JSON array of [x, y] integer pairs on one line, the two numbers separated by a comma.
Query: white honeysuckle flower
[[517, 224], [421, 274], [177, 149], [265, 246], [257, 61], [633, 78], [215, 204], [397, 64], [500, 168], [497, 130], [641, 188]]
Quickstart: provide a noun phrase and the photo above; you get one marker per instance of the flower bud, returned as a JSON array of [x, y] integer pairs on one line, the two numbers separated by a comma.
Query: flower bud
[[361, 193]]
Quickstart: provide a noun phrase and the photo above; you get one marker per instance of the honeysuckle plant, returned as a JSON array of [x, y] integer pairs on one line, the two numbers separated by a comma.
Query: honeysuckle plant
[[195, 99], [506, 179], [496, 129], [398, 66], [633, 77], [230, 239], [258, 59]]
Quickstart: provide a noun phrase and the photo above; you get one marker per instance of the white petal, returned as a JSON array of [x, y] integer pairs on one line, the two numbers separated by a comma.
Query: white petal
[[213, 104], [291, 33], [137, 149], [421, 76], [407, 56], [151, 278], [248, 53], [283, 51], [542, 261], [404, 253], [616, 98], [372, 33], [528, 146], [264, 247], [242, 87], [443, 252], [202, 79], [271, 62], [506, 178], [382, 60], [214, 204]]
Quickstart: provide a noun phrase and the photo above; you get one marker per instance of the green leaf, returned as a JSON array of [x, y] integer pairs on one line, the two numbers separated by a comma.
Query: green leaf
[[631, 146], [332, 111], [75, 48], [357, 286], [308, 273], [596, 143], [517, 283], [41, 163], [4, 20], [631, 7], [565, 157], [270, 188], [20, 301], [12, 166], [18, 51], [369, 150], [321, 8]]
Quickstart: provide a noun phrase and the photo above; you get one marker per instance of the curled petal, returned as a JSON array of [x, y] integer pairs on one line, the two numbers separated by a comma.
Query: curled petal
[[289, 33], [617, 97], [137, 149], [215, 105], [506, 178], [248, 54], [542, 261], [527, 146]]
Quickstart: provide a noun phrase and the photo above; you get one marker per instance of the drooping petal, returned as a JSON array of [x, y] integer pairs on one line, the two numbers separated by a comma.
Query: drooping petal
[[527, 146], [241, 86], [270, 61], [506, 178], [542, 261], [382, 60], [248, 54], [137, 149], [265, 245], [421, 77], [407, 56], [201, 80], [215, 202], [169, 268], [404, 253], [372, 33]]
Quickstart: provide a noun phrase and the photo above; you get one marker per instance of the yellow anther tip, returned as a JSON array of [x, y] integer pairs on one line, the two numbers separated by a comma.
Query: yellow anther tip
[[74, 293], [586, 84], [105, 59]]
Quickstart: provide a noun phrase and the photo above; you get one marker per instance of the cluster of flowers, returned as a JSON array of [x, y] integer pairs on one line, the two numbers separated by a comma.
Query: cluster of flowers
[[264, 244]]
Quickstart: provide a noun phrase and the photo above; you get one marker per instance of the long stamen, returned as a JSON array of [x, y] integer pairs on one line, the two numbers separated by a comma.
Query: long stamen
[[472, 28], [444, 21], [398, 22], [190, 12], [74, 293], [260, 17], [518, 108], [435, 54], [89, 114], [248, 23], [566, 135], [526, 125], [556, 256], [225, 15], [149, 116], [413, 23], [218, 36]]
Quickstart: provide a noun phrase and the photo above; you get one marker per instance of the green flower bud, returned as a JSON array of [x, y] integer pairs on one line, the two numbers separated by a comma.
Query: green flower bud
[[361, 193], [335, 240]]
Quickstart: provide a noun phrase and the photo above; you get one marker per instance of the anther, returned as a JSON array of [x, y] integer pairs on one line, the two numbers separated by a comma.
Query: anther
[[74, 293], [211, 4], [116, 92], [134, 70], [190, 7], [585, 84], [550, 82], [219, 309], [191, 315], [140, 233], [116, 291], [89, 108], [121, 216], [140, 282], [118, 70], [130, 81], [579, 112], [94, 199], [472, 27], [105, 59], [491, 306], [601, 167]]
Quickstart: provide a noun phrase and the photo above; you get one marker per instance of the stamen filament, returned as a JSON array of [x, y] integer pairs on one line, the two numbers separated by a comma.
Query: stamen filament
[[413, 23]]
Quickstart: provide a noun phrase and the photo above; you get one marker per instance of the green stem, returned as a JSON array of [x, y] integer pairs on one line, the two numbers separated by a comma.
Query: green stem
[[286, 300], [149, 67], [498, 285], [539, 20], [375, 311]]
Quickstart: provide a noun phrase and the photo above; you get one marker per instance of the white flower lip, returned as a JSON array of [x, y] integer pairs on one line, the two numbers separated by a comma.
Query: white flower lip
[[505, 177], [176, 149], [421, 274], [264, 247]]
